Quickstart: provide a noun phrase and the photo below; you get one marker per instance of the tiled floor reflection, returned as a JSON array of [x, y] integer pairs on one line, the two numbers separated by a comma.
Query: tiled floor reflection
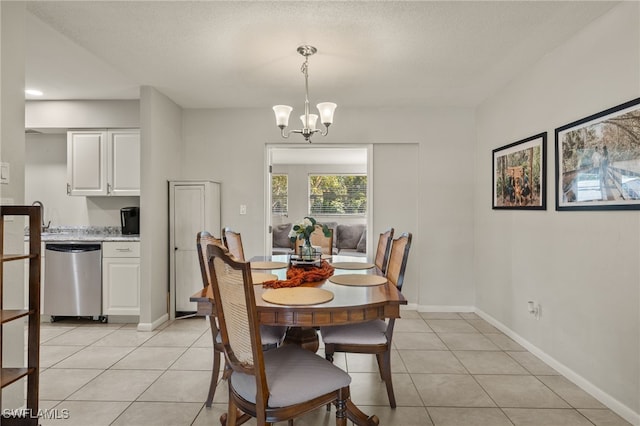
[[449, 369]]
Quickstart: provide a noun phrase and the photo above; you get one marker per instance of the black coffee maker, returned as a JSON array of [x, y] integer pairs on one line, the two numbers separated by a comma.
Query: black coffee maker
[[130, 220]]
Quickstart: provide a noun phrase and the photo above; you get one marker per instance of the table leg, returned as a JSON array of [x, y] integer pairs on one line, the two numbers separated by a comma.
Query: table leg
[[358, 417], [306, 337]]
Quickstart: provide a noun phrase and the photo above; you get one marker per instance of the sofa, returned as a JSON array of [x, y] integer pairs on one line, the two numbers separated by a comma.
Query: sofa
[[348, 239]]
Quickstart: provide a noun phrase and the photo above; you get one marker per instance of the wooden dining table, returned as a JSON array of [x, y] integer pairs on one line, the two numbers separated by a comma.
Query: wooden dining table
[[350, 305]]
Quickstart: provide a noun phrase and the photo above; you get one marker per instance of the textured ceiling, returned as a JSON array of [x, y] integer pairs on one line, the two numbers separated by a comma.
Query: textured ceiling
[[212, 54]]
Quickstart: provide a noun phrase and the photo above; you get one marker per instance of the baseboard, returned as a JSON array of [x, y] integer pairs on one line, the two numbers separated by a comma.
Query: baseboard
[[146, 326], [409, 307], [443, 308], [618, 407]]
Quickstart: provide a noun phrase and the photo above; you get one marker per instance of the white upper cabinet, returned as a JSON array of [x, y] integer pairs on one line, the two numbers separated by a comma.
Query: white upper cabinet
[[123, 158], [87, 162], [103, 162]]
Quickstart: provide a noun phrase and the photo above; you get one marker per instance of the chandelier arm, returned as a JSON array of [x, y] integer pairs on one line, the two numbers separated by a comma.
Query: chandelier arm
[[284, 134]]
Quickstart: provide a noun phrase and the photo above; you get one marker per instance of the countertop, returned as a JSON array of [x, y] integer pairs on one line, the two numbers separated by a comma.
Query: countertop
[[84, 233]]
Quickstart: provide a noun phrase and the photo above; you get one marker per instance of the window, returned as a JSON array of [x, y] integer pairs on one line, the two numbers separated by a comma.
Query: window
[[280, 195], [337, 194]]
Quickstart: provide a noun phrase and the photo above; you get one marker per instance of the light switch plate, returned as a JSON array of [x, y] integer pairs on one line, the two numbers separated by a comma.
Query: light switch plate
[[4, 173]]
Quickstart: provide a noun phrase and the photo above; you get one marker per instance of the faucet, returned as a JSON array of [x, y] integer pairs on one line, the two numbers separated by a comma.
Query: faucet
[[45, 228]]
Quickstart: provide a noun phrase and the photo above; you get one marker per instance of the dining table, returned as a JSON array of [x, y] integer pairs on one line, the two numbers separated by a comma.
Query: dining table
[[349, 304]]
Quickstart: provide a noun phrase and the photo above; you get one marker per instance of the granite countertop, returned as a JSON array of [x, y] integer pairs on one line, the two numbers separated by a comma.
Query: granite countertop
[[83, 233]]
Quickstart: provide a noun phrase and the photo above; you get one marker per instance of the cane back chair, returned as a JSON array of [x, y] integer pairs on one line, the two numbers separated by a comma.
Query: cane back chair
[[272, 336], [383, 250], [271, 386], [233, 242], [373, 337], [317, 238]]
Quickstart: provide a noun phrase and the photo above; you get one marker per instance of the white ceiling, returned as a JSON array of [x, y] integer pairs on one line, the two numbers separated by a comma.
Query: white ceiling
[[233, 54]]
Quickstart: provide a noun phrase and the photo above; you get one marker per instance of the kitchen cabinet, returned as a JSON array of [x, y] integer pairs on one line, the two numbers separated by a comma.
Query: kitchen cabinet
[[31, 312], [194, 206], [121, 278], [103, 162]]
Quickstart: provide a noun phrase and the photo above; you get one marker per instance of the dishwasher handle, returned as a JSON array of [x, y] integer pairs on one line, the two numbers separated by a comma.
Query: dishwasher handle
[[73, 248]]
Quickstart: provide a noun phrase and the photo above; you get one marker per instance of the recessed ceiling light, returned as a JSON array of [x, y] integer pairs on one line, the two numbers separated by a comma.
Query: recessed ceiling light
[[33, 92]]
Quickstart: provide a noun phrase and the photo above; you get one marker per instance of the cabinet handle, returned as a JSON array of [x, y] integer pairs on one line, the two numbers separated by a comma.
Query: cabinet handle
[[68, 189], [123, 249], [108, 188]]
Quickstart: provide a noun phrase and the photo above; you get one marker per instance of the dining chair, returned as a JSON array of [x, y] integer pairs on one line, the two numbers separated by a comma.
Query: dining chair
[[373, 337], [275, 385], [318, 238], [233, 242], [272, 336], [383, 250]]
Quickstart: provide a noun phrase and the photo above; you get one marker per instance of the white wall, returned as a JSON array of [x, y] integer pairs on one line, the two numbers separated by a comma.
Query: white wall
[[12, 38], [160, 153], [582, 267], [78, 114], [46, 181], [221, 147]]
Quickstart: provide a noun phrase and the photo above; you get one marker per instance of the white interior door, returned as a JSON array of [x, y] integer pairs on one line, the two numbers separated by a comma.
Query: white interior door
[[189, 214]]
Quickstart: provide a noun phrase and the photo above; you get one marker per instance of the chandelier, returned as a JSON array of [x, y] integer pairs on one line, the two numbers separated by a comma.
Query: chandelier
[[325, 109]]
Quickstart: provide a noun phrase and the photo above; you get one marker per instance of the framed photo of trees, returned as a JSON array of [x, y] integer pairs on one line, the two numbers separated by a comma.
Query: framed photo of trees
[[598, 161], [519, 174]]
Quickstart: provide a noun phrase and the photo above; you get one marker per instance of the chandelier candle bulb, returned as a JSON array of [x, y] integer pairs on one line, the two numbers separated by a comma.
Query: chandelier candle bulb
[[313, 119], [326, 110], [282, 115]]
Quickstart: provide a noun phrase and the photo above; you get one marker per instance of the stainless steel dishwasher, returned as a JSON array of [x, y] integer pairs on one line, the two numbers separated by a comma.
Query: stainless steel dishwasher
[[73, 280]]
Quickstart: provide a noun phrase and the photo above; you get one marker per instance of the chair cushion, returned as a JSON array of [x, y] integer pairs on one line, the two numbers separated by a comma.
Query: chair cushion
[[272, 334], [294, 375], [366, 333]]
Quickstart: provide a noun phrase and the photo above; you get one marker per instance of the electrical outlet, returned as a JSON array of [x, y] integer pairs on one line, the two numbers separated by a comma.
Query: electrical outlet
[[534, 309], [243, 209]]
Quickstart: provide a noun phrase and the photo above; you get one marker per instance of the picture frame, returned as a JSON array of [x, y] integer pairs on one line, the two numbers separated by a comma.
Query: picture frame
[[519, 174], [598, 160]]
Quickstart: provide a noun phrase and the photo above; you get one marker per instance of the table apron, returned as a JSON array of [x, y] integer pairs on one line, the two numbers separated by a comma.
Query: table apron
[[326, 317]]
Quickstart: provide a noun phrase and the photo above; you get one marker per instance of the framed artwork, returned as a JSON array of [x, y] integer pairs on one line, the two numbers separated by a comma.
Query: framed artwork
[[519, 174], [598, 161]]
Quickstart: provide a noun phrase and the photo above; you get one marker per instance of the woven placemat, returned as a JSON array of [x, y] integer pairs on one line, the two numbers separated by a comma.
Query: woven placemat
[[296, 296], [352, 265], [268, 265], [358, 279], [260, 277]]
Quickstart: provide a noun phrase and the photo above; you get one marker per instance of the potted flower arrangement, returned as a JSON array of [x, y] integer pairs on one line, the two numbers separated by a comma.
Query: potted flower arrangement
[[303, 231]]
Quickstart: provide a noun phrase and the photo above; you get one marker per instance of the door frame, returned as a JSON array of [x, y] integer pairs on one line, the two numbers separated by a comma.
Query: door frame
[[269, 147]]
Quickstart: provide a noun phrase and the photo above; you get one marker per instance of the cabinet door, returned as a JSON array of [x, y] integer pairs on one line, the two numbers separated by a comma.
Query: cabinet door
[[124, 162], [188, 219], [87, 162], [121, 286]]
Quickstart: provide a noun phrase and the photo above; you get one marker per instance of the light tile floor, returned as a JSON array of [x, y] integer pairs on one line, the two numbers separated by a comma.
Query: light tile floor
[[449, 370]]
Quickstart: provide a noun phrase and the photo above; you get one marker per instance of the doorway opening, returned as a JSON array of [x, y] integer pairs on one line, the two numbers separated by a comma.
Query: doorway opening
[[331, 183]]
